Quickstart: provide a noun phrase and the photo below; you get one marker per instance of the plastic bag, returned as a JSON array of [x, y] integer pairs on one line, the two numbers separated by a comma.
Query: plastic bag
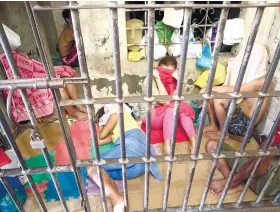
[[13, 38], [204, 62], [164, 33], [219, 79]]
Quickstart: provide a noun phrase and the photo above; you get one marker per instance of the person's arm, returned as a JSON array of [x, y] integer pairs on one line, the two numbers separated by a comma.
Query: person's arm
[[248, 167], [160, 86], [107, 130], [254, 86], [105, 140]]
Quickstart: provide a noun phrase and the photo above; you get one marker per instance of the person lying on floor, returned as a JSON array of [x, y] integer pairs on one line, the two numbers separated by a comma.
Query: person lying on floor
[[165, 83], [135, 144], [253, 81], [66, 44], [40, 99], [244, 169]]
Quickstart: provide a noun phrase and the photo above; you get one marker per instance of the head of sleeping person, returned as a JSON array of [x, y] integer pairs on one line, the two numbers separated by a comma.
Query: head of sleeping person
[[102, 111], [168, 62]]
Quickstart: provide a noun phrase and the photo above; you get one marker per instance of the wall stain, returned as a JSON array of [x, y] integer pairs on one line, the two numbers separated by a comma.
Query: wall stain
[[134, 84]]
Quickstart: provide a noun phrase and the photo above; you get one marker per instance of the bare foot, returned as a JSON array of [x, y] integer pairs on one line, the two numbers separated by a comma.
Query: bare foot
[[210, 128], [80, 116], [217, 186], [235, 190], [215, 135], [235, 137]]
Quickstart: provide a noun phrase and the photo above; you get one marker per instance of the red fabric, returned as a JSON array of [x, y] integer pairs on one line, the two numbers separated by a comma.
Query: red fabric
[[157, 135], [170, 85], [72, 58], [277, 136], [4, 159]]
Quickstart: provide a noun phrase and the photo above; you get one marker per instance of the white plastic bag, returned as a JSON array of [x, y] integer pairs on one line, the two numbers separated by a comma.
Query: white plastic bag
[[13, 38]]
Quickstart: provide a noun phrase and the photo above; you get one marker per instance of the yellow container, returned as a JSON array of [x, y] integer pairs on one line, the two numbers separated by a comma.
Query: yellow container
[[134, 36]]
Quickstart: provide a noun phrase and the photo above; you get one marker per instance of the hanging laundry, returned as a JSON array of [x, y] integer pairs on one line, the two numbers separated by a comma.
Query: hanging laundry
[[234, 31], [173, 17]]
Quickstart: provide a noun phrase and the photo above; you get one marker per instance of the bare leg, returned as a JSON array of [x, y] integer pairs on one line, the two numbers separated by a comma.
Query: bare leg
[[166, 147], [220, 111], [73, 94], [217, 186], [72, 111], [111, 190], [212, 126]]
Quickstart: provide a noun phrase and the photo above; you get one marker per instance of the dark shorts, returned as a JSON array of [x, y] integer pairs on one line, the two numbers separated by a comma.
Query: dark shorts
[[258, 183], [72, 58], [239, 122]]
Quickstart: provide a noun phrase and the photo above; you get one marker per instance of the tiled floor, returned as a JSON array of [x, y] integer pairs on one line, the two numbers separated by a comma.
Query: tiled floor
[[136, 186]]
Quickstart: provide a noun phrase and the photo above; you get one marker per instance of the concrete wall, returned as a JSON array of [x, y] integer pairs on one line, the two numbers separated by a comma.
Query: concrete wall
[[14, 16], [97, 37]]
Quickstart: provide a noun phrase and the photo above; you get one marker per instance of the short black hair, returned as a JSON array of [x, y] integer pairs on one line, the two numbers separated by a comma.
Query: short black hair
[[168, 61], [66, 14]]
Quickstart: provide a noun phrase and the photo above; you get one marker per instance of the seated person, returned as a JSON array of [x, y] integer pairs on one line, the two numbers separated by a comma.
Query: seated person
[[66, 43], [252, 82], [244, 169], [164, 83], [40, 99]]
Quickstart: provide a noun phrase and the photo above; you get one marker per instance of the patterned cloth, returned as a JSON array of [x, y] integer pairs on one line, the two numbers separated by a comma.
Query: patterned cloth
[[40, 99]]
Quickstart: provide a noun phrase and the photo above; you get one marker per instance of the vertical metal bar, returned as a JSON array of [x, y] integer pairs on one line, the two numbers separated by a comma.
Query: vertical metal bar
[[149, 73], [268, 79], [119, 96], [277, 198], [217, 48], [265, 148], [12, 193], [12, 142], [35, 128], [88, 97], [232, 105], [179, 88], [256, 112], [44, 54]]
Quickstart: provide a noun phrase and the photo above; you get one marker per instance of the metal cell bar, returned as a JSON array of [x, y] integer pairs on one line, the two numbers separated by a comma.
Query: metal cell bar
[[157, 158], [156, 6], [119, 96], [22, 171], [264, 149], [265, 88], [252, 121], [179, 86], [88, 96], [149, 73], [232, 105], [163, 98], [217, 48], [45, 56], [12, 194], [35, 129]]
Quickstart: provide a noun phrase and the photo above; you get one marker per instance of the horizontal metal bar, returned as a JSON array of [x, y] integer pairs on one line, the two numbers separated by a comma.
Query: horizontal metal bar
[[162, 98], [138, 160], [192, 26], [231, 206], [142, 6], [40, 83]]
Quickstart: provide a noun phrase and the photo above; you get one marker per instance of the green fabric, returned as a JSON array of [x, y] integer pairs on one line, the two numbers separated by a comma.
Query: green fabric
[[39, 161], [102, 148], [164, 32]]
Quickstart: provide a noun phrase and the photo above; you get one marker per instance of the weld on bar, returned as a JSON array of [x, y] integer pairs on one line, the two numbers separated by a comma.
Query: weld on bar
[[119, 96], [181, 72], [217, 48], [46, 59], [156, 6], [149, 73], [241, 74], [138, 160]]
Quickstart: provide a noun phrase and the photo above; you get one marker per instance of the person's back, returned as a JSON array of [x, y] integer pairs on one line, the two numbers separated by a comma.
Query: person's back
[[65, 41]]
